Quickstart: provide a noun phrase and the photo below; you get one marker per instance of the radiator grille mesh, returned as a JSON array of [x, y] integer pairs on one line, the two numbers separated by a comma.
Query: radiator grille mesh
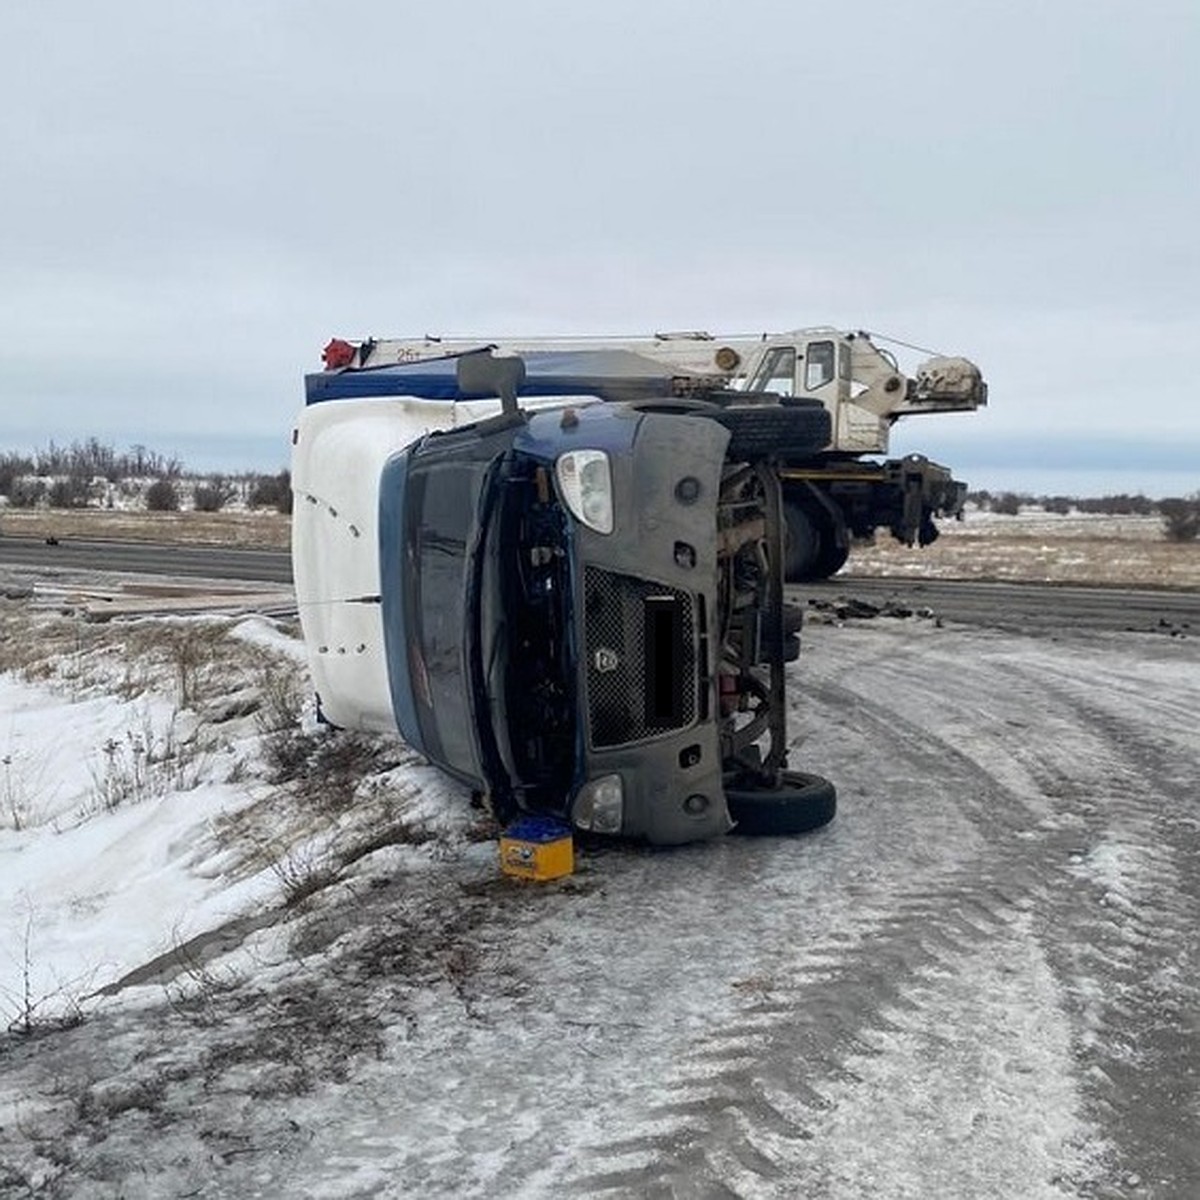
[[620, 662]]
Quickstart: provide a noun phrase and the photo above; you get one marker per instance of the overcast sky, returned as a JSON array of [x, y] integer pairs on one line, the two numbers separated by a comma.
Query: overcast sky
[[197, 195]]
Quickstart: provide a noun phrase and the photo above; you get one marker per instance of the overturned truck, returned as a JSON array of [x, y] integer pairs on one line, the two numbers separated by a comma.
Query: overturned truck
[[573, 608]]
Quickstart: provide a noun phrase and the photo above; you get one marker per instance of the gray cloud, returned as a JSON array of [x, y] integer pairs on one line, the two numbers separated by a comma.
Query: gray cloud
[[196, 196]]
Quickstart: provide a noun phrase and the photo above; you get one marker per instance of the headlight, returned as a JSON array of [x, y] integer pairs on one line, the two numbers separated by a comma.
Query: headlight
[[600, 805], [585, 480]]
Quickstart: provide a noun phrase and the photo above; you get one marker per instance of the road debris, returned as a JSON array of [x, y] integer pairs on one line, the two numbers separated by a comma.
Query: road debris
[[850, 608]]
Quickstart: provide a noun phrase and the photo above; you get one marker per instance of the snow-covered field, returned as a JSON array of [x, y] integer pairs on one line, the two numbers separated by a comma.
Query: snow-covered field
[[242, 956], [1036, 546]]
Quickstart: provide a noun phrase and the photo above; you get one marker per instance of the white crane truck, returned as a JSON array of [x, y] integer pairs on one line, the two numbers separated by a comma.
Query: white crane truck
[[831, 495]]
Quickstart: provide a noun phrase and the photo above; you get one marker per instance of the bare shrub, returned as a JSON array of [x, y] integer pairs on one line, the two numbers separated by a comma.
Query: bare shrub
[[195, 991], [26, 492], [73, 491], [22, 788], [1059, 505], [191, 650], [212, 496], [32, 1010], [288, 749], [326, 766], [1122, 505], [10, 789], [1181, 518], [199, 658], [12, 468], [162, 496], [272, 491], [1007, 504], [286, 754], [339, 763], [304, 872], [143, 764], [280, 699]]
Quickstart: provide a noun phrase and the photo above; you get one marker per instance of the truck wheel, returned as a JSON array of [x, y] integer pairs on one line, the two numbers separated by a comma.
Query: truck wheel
[[801, 544], [800, 803], [793, 618], [812, 547], [757, 431], [831, 559]]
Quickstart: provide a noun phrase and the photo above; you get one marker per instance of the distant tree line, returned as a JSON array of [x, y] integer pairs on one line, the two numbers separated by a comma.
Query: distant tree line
[[89, 460], [1180, 514], [74, 476]]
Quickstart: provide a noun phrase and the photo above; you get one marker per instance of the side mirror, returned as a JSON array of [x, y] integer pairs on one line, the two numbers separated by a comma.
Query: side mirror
[[480, 373]]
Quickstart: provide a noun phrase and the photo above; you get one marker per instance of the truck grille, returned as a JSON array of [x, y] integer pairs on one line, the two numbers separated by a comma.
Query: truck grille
[[641, 658]]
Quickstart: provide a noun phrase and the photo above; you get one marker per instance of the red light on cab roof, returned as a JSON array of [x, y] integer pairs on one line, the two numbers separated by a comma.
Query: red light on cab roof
[[337, 354]]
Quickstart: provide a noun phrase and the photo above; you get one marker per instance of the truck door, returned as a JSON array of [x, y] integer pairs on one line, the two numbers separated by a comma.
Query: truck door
[[826, 373]]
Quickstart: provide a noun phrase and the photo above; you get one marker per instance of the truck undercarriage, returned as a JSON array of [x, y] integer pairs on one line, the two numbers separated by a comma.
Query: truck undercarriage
[[829, 504]]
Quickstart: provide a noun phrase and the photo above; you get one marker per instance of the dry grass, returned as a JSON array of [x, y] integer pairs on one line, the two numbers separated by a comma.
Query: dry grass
[[197, 662], [1034, 547]]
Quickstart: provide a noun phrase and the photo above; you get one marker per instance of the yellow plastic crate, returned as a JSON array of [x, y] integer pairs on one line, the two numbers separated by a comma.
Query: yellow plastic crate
[[537, 848]]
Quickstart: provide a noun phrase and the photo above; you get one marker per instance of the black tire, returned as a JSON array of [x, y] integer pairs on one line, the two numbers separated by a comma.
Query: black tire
[[793, 619], [802, 543], [801, 803], [832, 558], [813, 548], [758, 431]]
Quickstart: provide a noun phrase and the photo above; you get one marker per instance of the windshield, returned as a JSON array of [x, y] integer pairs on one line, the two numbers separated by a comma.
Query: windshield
[[487, 613], [443, 506]]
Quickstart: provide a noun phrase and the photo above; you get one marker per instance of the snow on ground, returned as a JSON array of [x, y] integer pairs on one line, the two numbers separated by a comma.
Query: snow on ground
[[107, 846], [974, 983], [1038, 546], [258, 631], [1033, 521]]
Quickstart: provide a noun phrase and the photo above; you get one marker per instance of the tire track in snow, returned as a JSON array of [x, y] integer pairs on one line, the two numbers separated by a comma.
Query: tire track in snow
[[1132, 951], [747, 1105]]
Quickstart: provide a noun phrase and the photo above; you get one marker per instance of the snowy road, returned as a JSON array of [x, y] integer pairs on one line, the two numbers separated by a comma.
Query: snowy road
[[981, 981]]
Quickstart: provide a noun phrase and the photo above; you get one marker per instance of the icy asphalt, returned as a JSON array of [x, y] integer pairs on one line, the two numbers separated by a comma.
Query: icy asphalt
[[980, 981]]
